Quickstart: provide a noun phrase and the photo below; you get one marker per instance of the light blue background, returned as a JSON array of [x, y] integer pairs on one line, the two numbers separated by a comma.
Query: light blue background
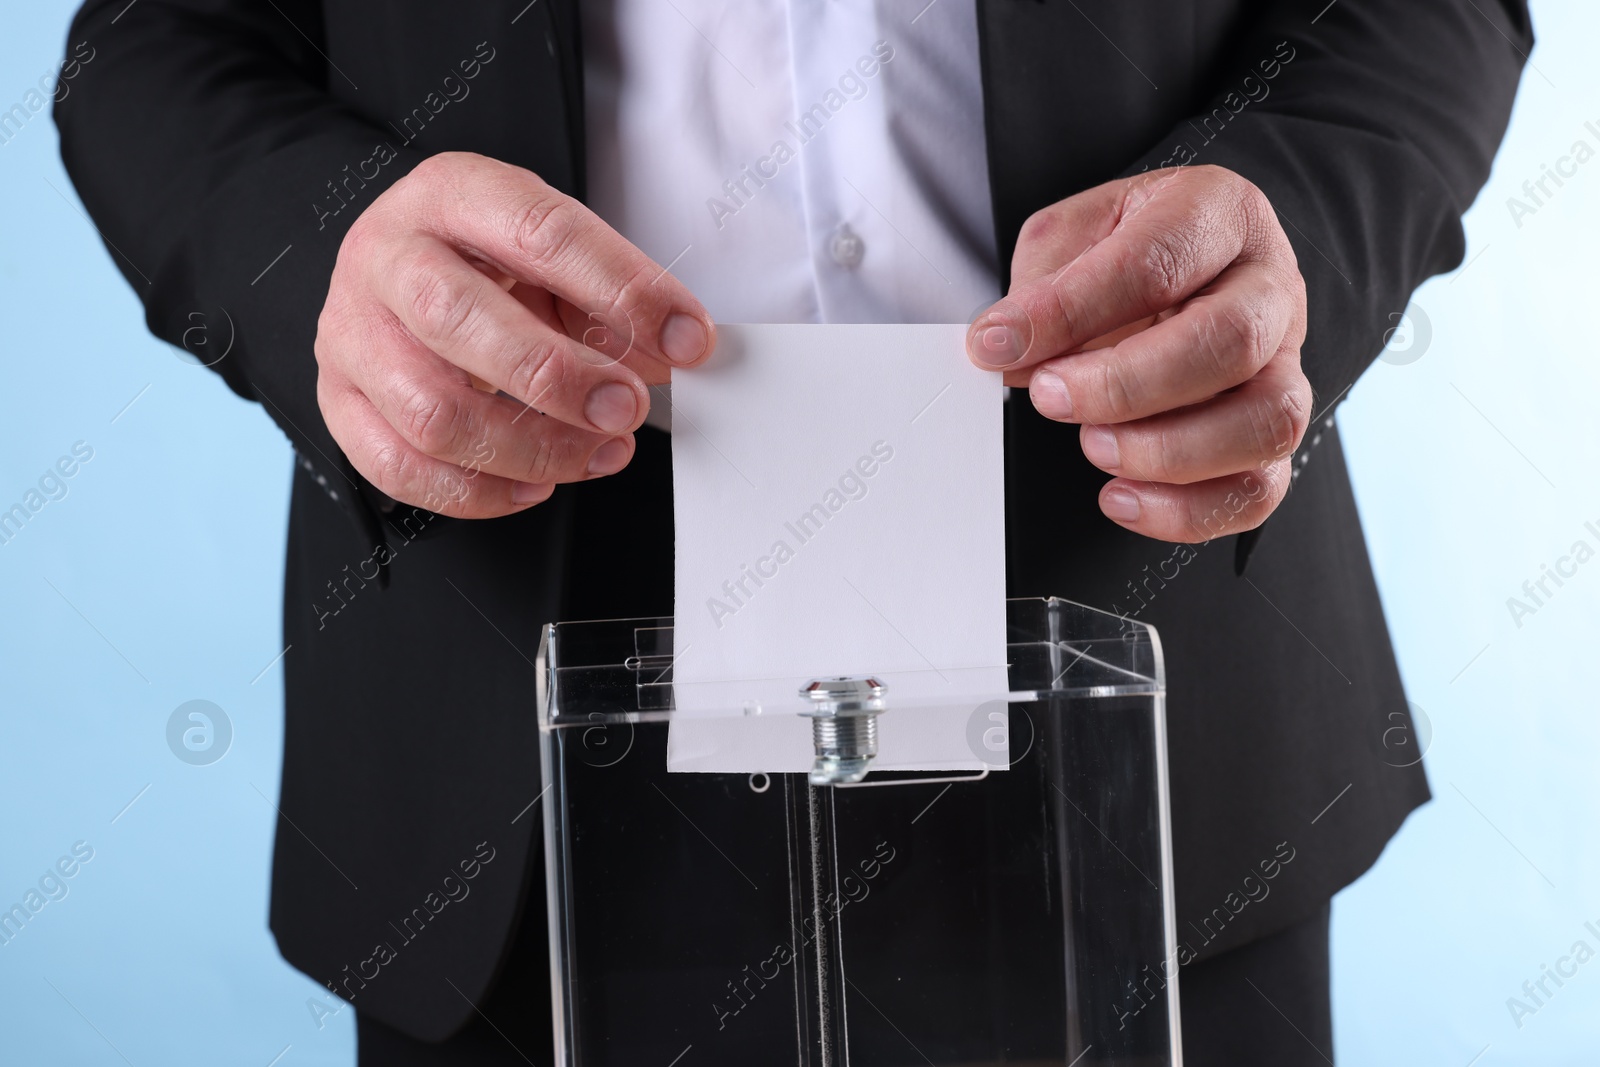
[[156, 580]]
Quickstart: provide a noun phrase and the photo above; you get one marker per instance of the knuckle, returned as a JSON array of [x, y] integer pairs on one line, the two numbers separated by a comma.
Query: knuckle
[[1064, 303], [542, 227], [1237, 189], [1239, 504], [1264, 490], [1257, 220], [332, 416], [543, 463], [432, 421], [446, 490], [1208, 518], [1115, 391], [358, 241], [322, 343], [1254, 202], [1037, 228], [440, 169], [430, 169], [441, 305], [1236, 340], [1275, 426], [346, 325], [1162, 265], [1295, 407], [1294, 283], [1052, 303], [633, 294], [392, 469], [539, 373], [1164, 459]]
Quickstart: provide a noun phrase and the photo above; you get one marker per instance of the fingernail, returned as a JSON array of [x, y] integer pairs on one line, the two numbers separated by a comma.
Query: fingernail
[[1049, 395], [1100, 445], [610, 457], [1120, 504], [683, 338], [611, 407], [998, 345], [529, 492]]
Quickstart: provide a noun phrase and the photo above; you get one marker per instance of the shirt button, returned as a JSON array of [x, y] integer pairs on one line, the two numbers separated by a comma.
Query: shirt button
[[846, 247]]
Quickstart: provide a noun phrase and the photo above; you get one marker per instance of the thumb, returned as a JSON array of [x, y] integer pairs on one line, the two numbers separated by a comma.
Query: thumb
[[1054, 236]]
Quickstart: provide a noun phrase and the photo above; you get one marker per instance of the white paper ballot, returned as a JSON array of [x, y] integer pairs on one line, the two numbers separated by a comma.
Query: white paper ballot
[[840, 510]]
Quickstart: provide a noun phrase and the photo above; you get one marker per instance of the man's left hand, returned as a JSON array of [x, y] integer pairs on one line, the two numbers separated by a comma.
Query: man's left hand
[[1164, 313]]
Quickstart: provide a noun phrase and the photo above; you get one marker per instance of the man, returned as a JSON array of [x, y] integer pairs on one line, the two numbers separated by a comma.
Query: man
[[1202, 217]]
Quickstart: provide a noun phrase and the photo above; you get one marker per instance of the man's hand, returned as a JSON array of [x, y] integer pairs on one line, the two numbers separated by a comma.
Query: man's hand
[[1165, 314], [486, 337]]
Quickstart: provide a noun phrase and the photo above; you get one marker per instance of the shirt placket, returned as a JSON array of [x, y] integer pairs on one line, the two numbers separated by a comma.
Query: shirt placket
[[840, 132]]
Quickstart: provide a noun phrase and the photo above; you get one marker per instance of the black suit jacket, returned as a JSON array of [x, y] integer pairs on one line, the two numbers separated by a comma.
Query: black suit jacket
[[222, 147]]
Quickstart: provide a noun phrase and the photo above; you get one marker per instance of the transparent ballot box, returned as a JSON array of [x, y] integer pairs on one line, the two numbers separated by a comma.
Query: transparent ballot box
[[1013, 909]]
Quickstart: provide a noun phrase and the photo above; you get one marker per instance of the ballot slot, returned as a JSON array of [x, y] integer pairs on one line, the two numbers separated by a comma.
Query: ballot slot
[[1019, 912]]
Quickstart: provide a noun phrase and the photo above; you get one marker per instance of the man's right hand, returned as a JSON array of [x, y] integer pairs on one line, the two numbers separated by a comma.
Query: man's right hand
[[486, 337]]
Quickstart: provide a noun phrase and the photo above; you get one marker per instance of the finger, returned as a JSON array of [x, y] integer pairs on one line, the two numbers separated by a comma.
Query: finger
[[386, 460], [584, 328], [1053, 237], [1231, 504], [460, 313], [1217, 340], [1022, 378], [588, 328], [1174, 233], [1259, 422], [437, 410], [514, 220], [509, 284]]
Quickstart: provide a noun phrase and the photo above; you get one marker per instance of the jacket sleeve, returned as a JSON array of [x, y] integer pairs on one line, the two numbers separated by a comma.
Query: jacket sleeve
[[198, 135], [1371, 128]]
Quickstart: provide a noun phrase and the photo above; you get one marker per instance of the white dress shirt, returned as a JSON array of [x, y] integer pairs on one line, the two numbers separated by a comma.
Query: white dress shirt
[[796, 160]]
